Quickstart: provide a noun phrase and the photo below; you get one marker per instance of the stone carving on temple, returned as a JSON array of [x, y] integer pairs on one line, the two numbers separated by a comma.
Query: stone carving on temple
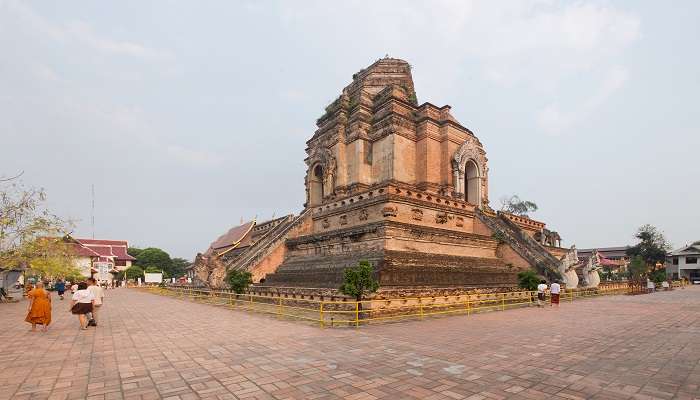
[[441, 218], [363, 215], [389, 211], [417, 214], [567, 268], [343, 220]]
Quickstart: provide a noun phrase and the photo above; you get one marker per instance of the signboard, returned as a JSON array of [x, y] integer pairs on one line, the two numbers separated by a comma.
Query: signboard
[[153, 277], [103, 269]]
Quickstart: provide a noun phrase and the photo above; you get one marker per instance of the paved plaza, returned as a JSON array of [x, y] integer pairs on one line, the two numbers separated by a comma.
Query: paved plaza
[[150, 347]]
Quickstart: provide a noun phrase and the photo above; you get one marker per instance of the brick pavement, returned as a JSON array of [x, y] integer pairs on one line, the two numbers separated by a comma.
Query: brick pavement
[[150, 347]]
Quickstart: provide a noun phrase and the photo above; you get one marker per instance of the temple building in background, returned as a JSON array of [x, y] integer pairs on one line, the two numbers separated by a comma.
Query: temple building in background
[[684, 263]]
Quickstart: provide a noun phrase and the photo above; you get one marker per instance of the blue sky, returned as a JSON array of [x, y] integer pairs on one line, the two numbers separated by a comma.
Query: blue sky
[[188, 116]]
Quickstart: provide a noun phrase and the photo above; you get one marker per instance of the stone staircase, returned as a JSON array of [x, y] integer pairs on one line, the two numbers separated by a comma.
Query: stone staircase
[[528, 248], [266, 244]]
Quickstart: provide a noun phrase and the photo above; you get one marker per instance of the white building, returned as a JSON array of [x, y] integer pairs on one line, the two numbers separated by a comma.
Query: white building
[[100, 258], [683, 263]]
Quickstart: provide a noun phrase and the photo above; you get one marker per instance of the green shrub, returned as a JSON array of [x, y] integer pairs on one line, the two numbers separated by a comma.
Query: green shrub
[[359, 281], [528, 279], [239, 280]]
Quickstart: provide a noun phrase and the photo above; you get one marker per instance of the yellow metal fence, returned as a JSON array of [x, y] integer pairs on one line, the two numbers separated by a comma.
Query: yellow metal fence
[[354, 313]]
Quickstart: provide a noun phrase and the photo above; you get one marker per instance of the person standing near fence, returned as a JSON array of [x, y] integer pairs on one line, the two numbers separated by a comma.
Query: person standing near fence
[[555, 290], [541, 289]]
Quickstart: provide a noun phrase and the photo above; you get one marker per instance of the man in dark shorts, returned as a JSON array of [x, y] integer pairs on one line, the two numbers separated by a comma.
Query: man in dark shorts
[[541, 290], [60, 287]]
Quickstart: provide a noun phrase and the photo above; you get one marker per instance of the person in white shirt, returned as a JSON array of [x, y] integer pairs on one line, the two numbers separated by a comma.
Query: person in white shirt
[[81, 303], [541, 289], [555, 289], [99, 295]]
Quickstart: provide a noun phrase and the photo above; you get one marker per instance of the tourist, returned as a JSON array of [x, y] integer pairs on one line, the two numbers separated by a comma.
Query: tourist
[[98, 293], [82, 303], [60, 287], [555, 289], [74, 288], [665, 285], [39, 310], [541, 289], [650, 286]]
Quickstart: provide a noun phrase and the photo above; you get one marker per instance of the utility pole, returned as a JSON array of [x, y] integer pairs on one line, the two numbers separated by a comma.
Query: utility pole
[[92, 215]]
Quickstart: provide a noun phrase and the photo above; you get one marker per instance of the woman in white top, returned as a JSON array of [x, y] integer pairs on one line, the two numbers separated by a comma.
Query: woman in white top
[[82, 303]]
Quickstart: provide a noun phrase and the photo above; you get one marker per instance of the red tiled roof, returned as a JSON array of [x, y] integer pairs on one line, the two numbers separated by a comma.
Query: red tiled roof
[[103, 242], [233, 236], [108, 248], [120, 252], [82, 251], [104, 251]]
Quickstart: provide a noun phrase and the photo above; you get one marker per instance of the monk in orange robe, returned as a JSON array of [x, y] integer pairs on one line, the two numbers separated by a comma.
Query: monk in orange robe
[[39, 311]]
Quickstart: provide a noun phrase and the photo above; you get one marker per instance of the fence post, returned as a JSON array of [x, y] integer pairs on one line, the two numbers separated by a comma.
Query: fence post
[[503, 301], [320, 315], [250, 301], [469, 306], [357, 314], [571, 295], [279, 311], [420, 305]]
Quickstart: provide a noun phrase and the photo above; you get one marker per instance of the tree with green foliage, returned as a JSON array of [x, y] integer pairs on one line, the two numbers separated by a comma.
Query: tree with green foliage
[[134, 251], [239, 280], [652, 246], [178, 267], [528, 280], [154, 257], [359, 281], [134, 272], [514, 205], [637, 268]]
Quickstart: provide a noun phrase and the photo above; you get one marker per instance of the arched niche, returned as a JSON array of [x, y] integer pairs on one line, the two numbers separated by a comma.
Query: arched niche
[[472, 183], [469, 173], [316, 185]]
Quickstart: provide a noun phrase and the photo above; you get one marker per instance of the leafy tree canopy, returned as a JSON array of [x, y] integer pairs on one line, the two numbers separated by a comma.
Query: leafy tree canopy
[[359, 281], [517, 206], [239, 280], [30, 235], [528, 279], [652, 246], [178, 267], [134, 272]]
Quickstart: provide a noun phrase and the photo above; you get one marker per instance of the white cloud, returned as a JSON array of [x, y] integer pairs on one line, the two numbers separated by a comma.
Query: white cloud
[[554, 121], [80, 32]]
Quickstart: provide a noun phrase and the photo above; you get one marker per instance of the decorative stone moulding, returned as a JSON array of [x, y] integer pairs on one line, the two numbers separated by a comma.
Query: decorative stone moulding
[[343, 220], [459, 222], [441, 218], [325, 223]]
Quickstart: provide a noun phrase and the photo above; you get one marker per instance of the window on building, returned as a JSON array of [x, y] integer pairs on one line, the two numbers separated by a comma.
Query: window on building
[[675, 260], [691, 260]]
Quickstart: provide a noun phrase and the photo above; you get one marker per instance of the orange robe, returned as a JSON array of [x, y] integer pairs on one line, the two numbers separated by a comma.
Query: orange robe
[[40, 313]]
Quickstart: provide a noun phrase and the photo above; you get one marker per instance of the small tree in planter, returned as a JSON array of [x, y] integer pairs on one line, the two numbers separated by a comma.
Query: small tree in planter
[[239, 280], [359, 281]]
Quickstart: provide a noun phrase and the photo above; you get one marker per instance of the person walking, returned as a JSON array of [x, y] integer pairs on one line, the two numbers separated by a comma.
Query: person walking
[[82, 304], [555, 290], [39, 310], [60, 287], [98, 293], [541, 290], [74, 288]]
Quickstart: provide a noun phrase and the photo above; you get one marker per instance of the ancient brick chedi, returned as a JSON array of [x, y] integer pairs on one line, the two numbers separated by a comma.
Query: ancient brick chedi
[[405, 186]]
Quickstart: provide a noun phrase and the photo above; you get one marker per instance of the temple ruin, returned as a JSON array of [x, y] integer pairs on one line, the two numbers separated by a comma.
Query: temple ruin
[[401, 184]]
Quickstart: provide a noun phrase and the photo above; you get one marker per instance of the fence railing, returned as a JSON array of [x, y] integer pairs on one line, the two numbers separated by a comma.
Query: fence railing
[[346, 312]]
